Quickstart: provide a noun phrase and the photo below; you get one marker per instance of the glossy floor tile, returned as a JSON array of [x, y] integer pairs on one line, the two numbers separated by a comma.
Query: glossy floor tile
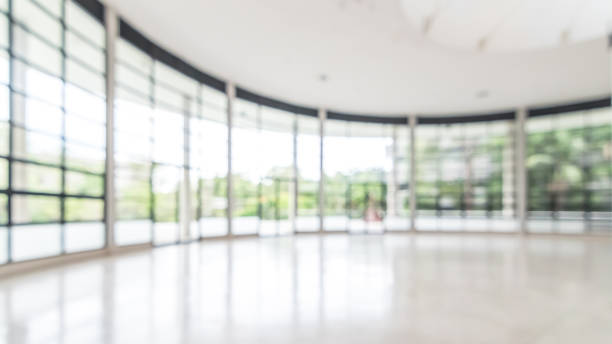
[[395, 288]]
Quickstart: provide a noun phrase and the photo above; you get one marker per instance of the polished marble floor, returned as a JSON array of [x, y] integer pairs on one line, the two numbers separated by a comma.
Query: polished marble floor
[[396, 288]]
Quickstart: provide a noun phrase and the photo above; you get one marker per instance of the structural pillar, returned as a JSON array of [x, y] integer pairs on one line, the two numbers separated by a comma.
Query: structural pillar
[[230, 90], [112, 30], [322, 118], [412, 122], [521, 172]]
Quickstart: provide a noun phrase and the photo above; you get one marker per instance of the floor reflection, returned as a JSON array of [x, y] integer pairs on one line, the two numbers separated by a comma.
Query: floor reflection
[[329, 289]]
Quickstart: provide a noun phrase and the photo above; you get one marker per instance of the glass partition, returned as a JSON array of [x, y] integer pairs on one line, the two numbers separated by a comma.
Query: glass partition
[[569, 172], [465, 177]]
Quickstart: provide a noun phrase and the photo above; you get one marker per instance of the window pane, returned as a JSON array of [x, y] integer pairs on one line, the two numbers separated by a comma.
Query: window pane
[[79, 20], [85, 104], [82, 209], [35, 241], [4, 138], [35, 209], [133, 232], [4, 34], [80, 130], [34, 178], [38, 21], [84, 184], [3, 245], [3, 209], [37, 52], [84, 236], [37, 84], [3, 174], [36, 147], [85, 158], [85, 52], [85, 78], [37, 115]]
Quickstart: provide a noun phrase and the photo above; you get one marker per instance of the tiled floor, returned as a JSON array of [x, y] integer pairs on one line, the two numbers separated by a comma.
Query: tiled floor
[[396, 288]]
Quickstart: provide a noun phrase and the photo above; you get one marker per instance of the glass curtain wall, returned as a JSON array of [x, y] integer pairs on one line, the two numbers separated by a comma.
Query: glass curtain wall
[[569, 172], [277, 184], [465, 176], [175, 100], [357, 162], [208, 149], [52, 130], [398, 181], [308, 173], [133, 145], [246, 169]]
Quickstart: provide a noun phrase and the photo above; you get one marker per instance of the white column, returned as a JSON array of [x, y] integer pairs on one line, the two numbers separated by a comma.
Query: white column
[[185, 212], [412, 122], [294, 184], [521, 172], [392, 180], [230, 90], [322, 118], [112, 30]]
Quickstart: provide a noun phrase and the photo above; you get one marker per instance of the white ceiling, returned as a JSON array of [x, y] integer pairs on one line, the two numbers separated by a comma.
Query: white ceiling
[[376, 55]]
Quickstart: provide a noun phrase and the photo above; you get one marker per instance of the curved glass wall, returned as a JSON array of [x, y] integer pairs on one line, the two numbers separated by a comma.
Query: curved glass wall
[[569, 172], [172, 134], [465, 177]]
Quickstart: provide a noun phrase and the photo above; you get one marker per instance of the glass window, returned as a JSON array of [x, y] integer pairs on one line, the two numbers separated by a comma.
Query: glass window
[[277, 185], [358, 158], [245, 168], [35, 178], [36, 19], [84, 184], [37, 52], [308, 169], [3, 174], [84, 236], [3, 209], [35, 209], [56, 128], [83, 209], [35, 241], [465, 176], [133, 146], [569, 172], [209, 156], [166, 188], [37, 115], [36, 147]]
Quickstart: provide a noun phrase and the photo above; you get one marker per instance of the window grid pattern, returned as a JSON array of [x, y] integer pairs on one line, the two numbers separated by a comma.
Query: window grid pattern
[[569, 172], [465, 172], [52, 154]]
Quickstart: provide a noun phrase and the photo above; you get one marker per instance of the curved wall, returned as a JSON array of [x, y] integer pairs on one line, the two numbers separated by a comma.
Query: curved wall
[[190, 157]]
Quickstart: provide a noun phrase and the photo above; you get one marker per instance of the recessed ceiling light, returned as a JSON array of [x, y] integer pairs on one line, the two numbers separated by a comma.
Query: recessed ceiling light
[[482, 94], [323, 77]]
